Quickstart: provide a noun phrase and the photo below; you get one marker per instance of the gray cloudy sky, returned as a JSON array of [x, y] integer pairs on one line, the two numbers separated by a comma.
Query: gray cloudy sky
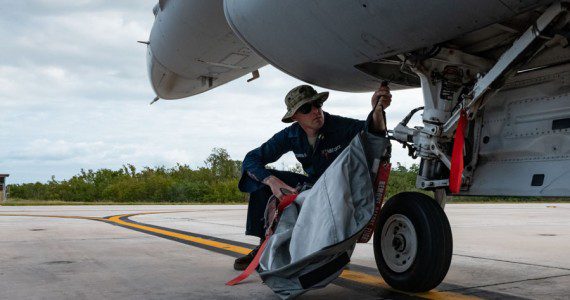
[[74, 94]]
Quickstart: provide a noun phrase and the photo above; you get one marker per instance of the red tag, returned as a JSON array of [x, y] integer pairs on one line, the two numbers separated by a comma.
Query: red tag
[[456, 171]]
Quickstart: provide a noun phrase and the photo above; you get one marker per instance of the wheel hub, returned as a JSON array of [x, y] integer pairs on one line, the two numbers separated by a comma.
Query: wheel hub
[[399, 243]]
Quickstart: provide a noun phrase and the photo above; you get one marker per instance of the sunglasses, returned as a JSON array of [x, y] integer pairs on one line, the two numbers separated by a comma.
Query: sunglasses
[[308, 107]]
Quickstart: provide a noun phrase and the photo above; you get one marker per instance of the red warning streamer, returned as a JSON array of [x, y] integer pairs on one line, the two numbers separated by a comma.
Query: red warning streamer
[[456, 171]]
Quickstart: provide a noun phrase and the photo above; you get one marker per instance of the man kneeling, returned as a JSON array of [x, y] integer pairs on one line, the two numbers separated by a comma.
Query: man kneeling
[[316, 138]]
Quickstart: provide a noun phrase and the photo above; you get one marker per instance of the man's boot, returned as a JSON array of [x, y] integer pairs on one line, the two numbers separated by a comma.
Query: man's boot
[[241, 263]]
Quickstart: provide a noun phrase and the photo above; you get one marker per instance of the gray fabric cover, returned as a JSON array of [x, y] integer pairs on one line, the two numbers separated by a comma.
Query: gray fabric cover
[[324, 222]]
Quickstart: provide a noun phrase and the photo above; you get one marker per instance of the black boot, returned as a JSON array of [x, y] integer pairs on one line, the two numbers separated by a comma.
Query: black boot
[[241, 263]]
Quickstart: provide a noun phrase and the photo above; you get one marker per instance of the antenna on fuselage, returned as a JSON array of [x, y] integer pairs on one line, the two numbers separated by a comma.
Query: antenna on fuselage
[[154, 100]]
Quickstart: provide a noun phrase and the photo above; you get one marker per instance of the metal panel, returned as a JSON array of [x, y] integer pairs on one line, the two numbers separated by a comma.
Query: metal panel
[[525, 138]]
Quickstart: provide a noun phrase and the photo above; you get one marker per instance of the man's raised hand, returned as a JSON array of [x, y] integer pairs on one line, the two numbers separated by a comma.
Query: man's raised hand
[[383, 94]]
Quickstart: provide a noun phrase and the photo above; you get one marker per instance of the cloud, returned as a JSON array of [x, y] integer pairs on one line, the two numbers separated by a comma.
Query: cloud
[[74, 49], [74, 94], [44, 150]]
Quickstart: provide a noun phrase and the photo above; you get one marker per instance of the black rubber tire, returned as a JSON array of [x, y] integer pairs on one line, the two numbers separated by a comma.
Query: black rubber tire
[[434, 242]]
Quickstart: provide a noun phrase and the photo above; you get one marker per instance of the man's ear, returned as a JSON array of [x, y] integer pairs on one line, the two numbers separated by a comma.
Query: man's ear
[[294, 117]]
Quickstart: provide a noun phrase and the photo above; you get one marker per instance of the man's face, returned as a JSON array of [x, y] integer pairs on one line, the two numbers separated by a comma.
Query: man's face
[[314, 119]]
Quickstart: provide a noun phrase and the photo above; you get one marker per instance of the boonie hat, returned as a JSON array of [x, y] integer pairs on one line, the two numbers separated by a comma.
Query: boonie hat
[[299, 96]]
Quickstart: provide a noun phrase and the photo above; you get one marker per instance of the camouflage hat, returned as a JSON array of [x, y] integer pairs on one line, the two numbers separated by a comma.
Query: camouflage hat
[[299, 96]]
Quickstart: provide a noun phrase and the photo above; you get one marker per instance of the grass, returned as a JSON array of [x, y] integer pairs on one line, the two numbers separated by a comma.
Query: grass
[[487, 201], [22, 202], [455, 200], [511, 200]]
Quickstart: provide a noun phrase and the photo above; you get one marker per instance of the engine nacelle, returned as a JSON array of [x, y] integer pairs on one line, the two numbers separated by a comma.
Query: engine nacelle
[[192, 49]]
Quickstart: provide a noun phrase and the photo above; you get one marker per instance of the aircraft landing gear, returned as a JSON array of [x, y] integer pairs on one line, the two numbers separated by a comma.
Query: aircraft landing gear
[[412, 242]]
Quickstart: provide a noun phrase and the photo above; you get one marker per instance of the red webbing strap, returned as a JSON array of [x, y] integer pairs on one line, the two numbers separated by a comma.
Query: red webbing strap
[[456, 171], [285, 201], [254, 263], [380, 185]]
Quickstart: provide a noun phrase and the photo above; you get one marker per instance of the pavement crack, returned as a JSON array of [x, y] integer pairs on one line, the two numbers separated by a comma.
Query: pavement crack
[[214, 223], [199, 221], [73, 240], [512, 262], [506, 282]]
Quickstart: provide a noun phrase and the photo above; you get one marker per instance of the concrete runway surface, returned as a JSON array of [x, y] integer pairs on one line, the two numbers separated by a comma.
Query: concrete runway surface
[[501, 251]]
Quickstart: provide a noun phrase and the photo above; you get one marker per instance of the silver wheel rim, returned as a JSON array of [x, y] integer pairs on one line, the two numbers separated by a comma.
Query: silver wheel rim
[[399, 243]]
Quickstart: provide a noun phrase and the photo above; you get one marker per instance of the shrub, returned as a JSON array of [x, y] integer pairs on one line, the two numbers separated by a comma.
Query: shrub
[[217, 182]]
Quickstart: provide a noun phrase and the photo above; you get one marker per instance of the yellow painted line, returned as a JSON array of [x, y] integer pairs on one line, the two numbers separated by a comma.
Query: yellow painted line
[[185, 237], [378, 281], [445, 296], [365, 278], [346, 274]]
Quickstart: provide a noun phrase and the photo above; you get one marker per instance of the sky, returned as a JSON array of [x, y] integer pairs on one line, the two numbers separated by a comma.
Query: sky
[[74, 94]]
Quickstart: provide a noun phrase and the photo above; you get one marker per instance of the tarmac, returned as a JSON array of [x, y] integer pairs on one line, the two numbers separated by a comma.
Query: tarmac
[[501, 251]]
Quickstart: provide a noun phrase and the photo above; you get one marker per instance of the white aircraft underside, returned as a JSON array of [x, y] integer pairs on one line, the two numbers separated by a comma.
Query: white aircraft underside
[[506, 63], [342, 45], [443, 46]]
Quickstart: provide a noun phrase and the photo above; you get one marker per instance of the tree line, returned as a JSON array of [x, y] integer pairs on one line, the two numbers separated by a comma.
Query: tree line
[[215, 183]]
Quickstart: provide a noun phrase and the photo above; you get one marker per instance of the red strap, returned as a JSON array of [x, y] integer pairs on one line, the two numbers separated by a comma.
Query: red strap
[[254, 263], [285, 201], [456, 171]]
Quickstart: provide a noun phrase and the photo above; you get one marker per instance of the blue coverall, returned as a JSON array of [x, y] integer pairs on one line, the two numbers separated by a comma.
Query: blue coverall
[[333, 137]]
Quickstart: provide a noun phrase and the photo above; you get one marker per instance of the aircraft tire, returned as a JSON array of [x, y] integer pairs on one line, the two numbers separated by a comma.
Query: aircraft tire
[[413, 244]]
